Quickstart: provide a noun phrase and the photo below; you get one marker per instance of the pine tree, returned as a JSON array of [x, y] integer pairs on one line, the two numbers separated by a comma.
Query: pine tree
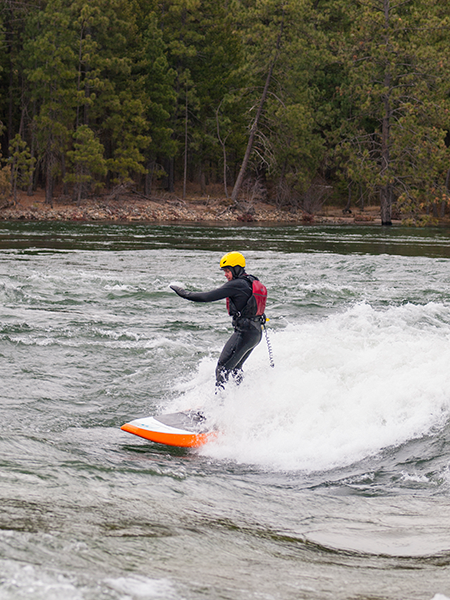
[[5, 180], [110, 101], [87, 161], [159, 98], [286, 52], [22, 165], [397, 65], [204, 51], [218, 78], [50, 68], [13, 94]]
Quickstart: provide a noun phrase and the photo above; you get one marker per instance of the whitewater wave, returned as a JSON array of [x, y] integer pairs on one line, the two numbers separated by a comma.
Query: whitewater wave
[[343, 389]]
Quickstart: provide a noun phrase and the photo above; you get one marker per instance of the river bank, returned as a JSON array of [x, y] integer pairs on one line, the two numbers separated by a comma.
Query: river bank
[[169, 208]]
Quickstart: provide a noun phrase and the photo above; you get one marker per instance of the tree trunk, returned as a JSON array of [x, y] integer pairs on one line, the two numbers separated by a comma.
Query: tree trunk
[[386, 205], [202, 181], [386, 192], [224, 151], [447, 191], [11, 99], [347, 210], [254, 128], [148, 182], [361, 197], [80, 56], [49, 179], [170, 181], [185, 146], [225, 184], [14, 174], [30, 187]]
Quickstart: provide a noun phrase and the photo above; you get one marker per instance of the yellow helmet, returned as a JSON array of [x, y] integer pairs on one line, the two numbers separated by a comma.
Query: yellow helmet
[[232, 259]]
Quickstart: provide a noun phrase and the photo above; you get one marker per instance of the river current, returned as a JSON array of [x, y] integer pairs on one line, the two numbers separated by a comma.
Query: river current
[[330, 478]]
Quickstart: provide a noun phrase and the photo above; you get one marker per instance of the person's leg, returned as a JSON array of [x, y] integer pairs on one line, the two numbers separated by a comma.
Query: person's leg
[[226, 359], [235, 353]]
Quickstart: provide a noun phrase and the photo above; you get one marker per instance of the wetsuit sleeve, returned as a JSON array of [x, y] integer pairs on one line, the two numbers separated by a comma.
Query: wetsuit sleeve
[[217, 294], [179, 290]]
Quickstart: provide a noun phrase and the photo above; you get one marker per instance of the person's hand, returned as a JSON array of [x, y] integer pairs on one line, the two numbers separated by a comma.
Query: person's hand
[[179, 290]]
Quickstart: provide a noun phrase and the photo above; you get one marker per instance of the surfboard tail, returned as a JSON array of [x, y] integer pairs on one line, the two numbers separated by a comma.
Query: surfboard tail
[[177, 429], [188, 440]]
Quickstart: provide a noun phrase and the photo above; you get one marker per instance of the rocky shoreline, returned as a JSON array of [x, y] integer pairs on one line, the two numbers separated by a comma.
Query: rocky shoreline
[[169, 210]]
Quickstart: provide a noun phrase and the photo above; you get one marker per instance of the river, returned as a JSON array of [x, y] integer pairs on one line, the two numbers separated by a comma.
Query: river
[[330, 477]]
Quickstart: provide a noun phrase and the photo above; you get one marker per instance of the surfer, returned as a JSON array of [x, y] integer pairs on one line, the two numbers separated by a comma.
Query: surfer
[[246, 301]]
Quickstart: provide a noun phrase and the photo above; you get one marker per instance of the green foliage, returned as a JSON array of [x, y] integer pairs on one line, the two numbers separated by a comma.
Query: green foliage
[[204, 51], [22, 165], [5, 182], [86, 160], [396, 65], [152, 67], [110, 91]]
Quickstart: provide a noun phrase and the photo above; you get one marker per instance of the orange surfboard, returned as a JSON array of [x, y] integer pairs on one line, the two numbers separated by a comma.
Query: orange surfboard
[[182, 429]]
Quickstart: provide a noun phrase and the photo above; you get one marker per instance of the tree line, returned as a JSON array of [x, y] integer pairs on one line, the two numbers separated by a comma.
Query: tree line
[[297, 101]]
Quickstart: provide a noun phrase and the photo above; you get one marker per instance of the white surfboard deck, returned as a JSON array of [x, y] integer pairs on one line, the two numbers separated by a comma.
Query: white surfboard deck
[[183, 429]]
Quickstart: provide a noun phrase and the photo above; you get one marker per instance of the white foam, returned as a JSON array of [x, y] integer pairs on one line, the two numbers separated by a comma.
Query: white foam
[[342, 389], [137, 587], [41, 583], [28, 581]]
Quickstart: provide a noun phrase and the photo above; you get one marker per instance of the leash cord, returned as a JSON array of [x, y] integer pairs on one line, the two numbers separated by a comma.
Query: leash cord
[[269, 346]]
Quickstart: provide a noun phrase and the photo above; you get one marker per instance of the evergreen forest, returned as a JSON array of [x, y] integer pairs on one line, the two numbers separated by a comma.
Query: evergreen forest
[[295, 101]]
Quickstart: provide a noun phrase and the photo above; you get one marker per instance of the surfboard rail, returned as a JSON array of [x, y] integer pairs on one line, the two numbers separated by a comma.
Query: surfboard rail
[[183, 429]]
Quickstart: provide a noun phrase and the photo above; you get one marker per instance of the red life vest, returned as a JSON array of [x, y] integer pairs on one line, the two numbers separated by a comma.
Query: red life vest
[[256, 304], [260, 294]]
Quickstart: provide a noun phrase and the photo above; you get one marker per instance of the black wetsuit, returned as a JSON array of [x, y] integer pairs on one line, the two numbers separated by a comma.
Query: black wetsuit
[[247, 326]]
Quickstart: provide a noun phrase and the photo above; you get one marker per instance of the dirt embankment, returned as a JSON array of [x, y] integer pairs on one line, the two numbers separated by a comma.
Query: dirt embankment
[[168, 208]]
